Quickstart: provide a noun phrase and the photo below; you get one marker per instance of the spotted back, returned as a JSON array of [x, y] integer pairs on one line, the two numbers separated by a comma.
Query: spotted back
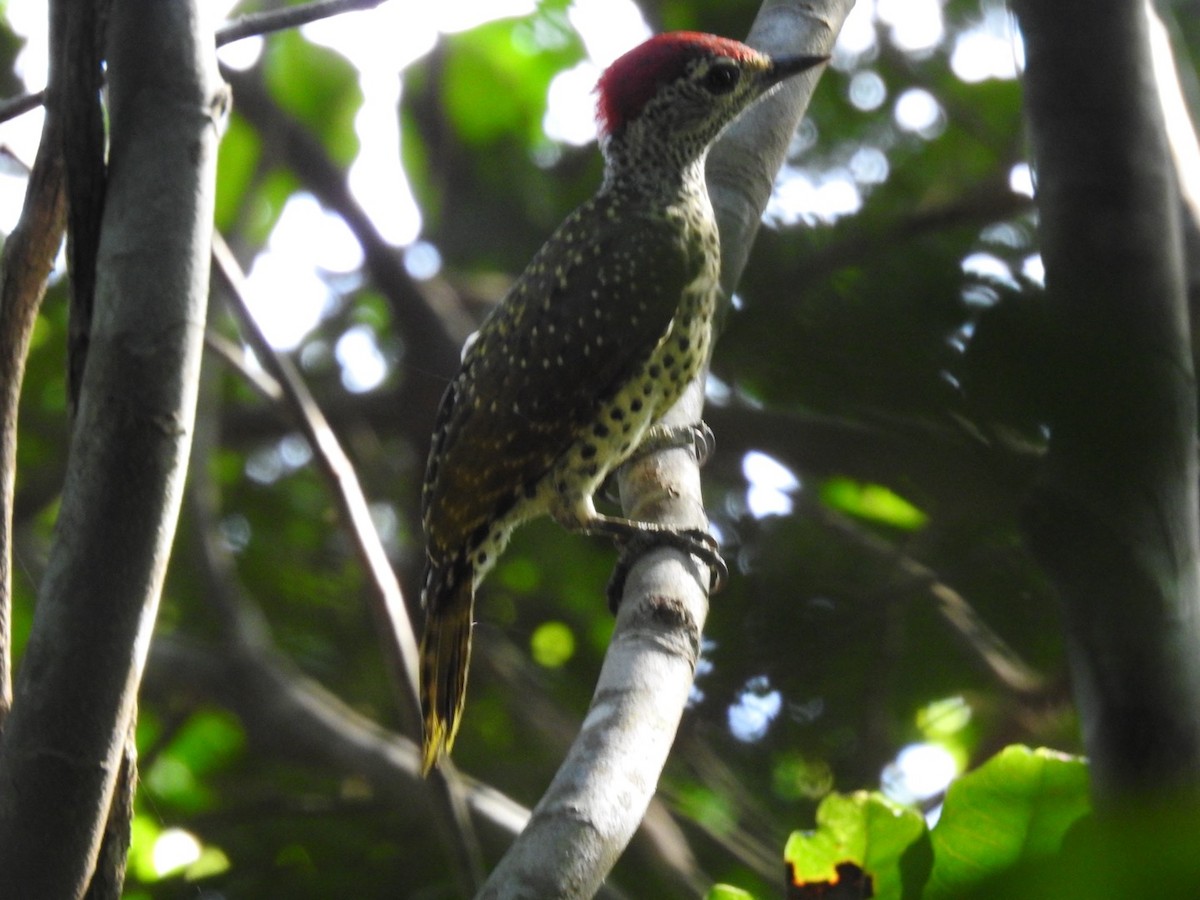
[[582, 319]]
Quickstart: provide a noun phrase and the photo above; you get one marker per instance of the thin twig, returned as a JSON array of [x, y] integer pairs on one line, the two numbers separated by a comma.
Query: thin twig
[[402, 648], [1000, 659], [254, 24], [18, 106], [395, 629], [235, 357], [289, 713], [250, 25], [297, 704], [25, 266]]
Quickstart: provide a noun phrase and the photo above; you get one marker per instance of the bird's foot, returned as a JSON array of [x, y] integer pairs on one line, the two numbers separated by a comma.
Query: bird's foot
[[694, 541]]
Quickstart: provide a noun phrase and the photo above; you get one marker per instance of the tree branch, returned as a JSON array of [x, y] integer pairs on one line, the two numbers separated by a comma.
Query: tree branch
[[18, 106], [61, 746], [395, 629], [994, 654], [250, 25], [417, 315], [253, 24], [852, 242], [28, 258], [289, 714], [400, 645], [83, 152]]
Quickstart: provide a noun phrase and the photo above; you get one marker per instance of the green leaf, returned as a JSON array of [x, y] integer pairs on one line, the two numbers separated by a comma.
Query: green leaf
[[706, 806], [795, 776], [884, 839], [1014, 808], [266, 204], [238, 158], [211, 862], [207, 743], [552, 644], [1141, 849], [318, 87], [497, 75], [519, 574], [727, 892], [144, 832], [871, 501], [209, 740]]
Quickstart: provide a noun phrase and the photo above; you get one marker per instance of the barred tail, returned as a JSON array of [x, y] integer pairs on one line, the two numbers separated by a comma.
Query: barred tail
[[445, 654]]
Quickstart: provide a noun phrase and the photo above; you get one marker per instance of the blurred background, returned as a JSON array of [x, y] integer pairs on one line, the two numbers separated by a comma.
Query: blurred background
[[876, 399]]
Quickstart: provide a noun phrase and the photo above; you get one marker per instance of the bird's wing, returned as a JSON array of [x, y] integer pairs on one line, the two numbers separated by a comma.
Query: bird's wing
[[587, 312]]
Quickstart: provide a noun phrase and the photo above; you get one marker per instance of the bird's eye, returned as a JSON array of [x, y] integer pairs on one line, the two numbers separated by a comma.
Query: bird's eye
[[722, 78]]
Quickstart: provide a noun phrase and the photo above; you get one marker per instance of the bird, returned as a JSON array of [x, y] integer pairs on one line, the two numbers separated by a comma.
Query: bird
[[569, 375]]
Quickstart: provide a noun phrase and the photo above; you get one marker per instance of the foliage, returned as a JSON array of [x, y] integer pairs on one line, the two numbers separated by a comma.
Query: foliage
[[863, 831], [1019, 825]]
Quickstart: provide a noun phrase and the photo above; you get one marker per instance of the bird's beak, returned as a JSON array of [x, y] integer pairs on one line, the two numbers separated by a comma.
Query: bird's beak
[[783, 67]]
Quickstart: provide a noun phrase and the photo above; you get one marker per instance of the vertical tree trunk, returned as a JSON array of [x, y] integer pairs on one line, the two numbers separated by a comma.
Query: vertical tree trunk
[[1115, 519], [62, 743]]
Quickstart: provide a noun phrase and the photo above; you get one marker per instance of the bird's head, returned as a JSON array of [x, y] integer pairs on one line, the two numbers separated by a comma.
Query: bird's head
[[686, 86]]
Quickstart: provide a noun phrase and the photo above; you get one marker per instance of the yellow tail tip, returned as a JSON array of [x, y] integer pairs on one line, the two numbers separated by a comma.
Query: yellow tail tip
[[445, 652], [436, 744]]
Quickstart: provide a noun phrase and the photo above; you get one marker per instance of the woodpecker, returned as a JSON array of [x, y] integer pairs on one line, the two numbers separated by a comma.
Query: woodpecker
[[570, 374]]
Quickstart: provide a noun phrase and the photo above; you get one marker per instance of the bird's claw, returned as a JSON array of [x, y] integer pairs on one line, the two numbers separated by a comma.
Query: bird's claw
[[704, 442], [697, 437], [694, 541], [706, 547]]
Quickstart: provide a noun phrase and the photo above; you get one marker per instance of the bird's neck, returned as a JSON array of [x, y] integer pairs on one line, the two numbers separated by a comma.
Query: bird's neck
[[654, 178]]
